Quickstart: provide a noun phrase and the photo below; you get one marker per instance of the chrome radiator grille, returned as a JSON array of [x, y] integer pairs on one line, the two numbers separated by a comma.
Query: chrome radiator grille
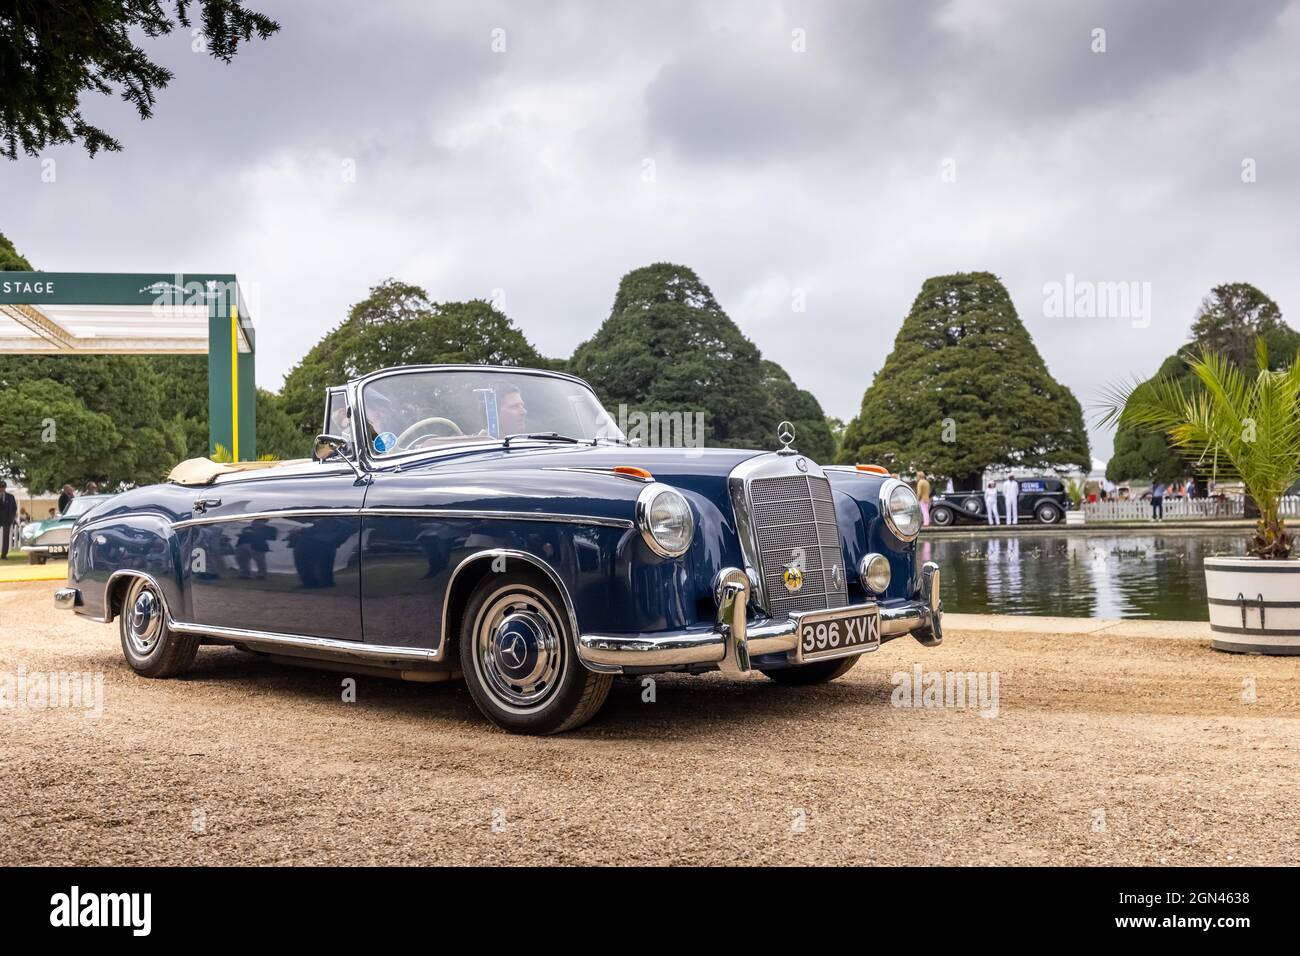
[[793, 519]]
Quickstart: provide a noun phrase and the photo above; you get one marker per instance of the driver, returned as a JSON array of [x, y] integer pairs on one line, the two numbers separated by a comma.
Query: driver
[[512, 411]]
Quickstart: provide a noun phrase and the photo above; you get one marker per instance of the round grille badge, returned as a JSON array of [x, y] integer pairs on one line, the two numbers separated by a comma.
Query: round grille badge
[[801, 464]]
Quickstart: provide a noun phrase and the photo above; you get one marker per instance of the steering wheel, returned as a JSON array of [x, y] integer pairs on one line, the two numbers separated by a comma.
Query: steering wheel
[[407, 439]]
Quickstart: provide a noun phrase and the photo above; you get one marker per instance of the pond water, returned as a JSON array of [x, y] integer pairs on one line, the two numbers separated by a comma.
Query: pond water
[[1076, 574]]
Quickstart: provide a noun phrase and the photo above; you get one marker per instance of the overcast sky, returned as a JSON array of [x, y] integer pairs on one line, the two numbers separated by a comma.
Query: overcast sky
[[830, 154]]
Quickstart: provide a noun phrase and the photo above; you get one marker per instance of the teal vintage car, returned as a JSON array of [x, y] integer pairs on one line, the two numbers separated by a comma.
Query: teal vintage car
[[43, 539]]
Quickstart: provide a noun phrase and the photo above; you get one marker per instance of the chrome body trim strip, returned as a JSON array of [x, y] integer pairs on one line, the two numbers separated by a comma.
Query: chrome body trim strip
[[450, 513], [311, 647], [67, 599], [280, 513], [455, 513]]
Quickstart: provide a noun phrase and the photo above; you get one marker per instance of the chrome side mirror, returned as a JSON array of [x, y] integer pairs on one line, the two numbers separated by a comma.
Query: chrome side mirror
[[327, 446]]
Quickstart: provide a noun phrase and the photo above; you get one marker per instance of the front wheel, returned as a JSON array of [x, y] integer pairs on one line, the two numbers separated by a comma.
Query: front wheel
[[518, 656], [818, 672], [151, 647], [942, 516], [34, 558]]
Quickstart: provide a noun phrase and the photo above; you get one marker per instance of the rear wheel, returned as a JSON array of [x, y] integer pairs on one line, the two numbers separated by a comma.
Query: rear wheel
[[518, 656], [151, 647], [1048, 513], [818, 672]]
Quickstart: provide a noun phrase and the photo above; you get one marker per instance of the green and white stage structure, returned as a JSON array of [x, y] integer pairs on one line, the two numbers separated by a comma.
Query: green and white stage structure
[[117, 313]]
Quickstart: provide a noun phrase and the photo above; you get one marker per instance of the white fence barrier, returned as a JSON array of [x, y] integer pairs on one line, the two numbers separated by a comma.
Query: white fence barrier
[[1180, 508]]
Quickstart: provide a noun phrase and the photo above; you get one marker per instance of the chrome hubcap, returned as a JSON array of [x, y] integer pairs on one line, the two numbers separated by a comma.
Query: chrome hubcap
[[144, 623], [520, 652]]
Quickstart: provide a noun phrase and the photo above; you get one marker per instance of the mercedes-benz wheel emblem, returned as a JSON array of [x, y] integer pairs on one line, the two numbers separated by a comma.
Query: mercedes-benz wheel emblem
[[785, 433], [514, 650]]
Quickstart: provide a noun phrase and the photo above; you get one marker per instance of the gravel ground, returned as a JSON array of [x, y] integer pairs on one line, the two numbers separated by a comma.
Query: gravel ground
[[1111, 744]]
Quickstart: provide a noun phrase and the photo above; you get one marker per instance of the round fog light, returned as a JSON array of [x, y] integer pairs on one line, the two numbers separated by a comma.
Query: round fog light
[[874, 573]]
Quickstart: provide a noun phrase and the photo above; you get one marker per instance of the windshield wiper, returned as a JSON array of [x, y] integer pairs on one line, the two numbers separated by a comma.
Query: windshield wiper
[[542, 436]]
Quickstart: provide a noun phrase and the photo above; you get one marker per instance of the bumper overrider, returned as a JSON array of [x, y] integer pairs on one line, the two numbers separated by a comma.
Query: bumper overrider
[[733, 641]]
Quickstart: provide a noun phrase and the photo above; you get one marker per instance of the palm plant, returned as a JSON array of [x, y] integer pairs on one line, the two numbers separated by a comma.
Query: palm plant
[[1075, 489], [1249, 426]]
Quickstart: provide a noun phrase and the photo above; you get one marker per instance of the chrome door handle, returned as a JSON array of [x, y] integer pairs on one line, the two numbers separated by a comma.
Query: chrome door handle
[[203, 504]]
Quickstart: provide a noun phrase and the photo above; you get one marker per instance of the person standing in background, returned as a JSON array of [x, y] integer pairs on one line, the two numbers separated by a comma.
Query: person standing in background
[[65, 497], [923, 496], [1191, 488], [92, 488], [991, 502], [8, 515], [1158, 501], [1011, 499]]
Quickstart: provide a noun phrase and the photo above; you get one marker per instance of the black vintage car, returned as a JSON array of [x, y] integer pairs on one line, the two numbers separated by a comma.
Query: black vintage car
[[1041, 499]]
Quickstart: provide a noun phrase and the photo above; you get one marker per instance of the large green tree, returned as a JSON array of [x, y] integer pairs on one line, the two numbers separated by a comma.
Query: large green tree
[[965, 389], [11, 260], [397, 324], [1229, 321], [668, 347], [58, 401], [54, 52]]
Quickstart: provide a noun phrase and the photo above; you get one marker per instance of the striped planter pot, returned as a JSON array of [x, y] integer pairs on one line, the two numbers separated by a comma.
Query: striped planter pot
[[1254, 605]]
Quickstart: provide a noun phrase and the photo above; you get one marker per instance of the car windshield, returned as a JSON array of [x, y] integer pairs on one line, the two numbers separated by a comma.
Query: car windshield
[[81, 504], [409, 411]]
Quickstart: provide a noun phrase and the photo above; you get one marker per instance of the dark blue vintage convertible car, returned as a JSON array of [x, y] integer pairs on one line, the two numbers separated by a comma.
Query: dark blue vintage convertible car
[[494, 524]]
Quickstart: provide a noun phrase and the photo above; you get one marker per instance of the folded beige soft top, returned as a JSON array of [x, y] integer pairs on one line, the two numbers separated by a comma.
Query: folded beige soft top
[[204, 471]]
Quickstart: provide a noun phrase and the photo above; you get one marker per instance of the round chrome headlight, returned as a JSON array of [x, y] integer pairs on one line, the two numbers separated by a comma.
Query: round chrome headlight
[[665, 520], [874, 573], [901, 509], [30, 531]]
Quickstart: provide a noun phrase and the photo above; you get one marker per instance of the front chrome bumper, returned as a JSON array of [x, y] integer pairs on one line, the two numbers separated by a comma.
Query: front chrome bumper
[[733, 642]]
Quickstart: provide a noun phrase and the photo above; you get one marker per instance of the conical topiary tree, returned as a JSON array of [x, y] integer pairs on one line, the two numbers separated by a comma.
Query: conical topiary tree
[[965, 389], [668, 347]]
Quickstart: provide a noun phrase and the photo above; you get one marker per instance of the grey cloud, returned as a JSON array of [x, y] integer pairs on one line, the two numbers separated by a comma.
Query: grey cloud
[[775, 171]]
